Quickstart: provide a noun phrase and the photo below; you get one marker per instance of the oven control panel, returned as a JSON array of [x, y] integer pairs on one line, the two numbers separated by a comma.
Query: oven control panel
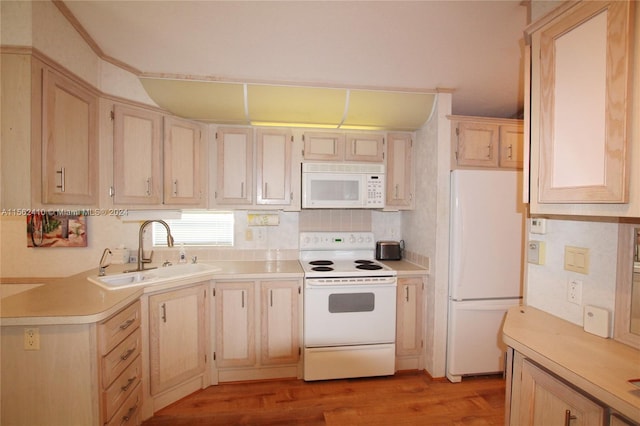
[[336, 241]]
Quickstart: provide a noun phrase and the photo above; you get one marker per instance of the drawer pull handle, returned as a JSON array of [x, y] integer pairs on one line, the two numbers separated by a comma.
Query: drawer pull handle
[[129, 383], [126, 324], [129, 414], [407, 289], [127, 354], [62, 173], [568, 417]]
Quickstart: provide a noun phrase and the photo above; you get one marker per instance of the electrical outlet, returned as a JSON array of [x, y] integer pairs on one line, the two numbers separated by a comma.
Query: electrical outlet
[[32, 339], [574, 291]]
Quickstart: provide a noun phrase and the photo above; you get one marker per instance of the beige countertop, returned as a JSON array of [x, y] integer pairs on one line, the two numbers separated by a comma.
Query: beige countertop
[[601, 367], [75, 300]]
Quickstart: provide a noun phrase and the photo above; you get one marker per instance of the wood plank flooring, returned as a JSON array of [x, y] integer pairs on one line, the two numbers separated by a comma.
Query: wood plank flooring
[[408, 398]]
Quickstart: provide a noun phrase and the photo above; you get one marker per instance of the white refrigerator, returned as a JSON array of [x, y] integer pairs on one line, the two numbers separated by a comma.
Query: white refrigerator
[[485, 267]]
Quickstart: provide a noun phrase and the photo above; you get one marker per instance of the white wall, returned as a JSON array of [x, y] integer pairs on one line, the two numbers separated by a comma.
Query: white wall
[[547, 284]]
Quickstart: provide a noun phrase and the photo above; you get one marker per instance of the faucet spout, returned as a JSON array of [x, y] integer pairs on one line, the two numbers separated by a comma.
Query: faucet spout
[[141, 259], [102, 265]]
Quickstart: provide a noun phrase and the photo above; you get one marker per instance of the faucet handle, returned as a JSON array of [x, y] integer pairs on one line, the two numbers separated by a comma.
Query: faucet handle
[[194, 259]]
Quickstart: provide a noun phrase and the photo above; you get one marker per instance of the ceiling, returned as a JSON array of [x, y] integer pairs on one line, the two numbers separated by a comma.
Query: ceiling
[[404, 48]]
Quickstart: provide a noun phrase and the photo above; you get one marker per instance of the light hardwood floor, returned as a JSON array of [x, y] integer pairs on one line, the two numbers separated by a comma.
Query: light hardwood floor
[[408, 398]]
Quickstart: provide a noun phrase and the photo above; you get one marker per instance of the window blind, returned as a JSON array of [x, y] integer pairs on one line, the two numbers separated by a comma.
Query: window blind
[[197, 229]]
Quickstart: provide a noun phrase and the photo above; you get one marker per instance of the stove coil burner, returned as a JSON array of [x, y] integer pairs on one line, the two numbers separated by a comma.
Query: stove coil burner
[[363, 262], [369, 267], [322, 268], [321, 262]]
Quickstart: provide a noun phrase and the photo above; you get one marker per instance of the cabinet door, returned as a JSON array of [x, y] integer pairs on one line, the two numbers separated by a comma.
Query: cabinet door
[[477, 144], [581, 124], [364, 147], [235, 166], [279, 322], [323, 146], [136, 156], [545, 400], [177, 336], [399, 171], [235, 324], [184, 163], [69, 142], [511, 146], [273, 180], [409, 316]]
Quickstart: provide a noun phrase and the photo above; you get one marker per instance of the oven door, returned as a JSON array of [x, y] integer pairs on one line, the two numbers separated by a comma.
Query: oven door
[[338, 315], [333, 190]]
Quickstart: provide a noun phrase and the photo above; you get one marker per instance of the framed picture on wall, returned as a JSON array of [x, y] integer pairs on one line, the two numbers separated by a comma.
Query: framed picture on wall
[[56, 230]]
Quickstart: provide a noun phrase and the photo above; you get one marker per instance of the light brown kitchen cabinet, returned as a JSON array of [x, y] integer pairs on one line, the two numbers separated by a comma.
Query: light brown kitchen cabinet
[[157, 159], [273, 171], [364, 147], [409, 314], [177, 336], [184, 163], [235, 166], [544, 399], [82, 374], [257, 329], [352, 146], [486, 142], [137, 156], [399, 176], [584, 130], [235, 324], [66, 158], [279, 322], [325, 146], [120, 341]]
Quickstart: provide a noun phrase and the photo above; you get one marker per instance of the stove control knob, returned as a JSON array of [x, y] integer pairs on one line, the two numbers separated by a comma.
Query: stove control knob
[[352, 239], [359, 239]]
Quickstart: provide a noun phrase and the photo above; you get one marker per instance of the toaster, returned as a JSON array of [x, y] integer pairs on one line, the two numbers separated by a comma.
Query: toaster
[[389, 250]]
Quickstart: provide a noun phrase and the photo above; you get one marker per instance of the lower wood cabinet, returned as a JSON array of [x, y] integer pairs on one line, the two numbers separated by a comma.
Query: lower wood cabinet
[[538, 397], [177, 337], [409, 329], [257, 329]]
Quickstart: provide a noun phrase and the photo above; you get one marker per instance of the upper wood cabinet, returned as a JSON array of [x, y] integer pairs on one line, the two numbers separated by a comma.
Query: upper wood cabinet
[[157, 159], [334, 146], [235, 166], [325, 146], [364, 147], [486, 142], [273, 168], [399, 176], [137, 153], [581, 128], [67, 153], [185, 173]]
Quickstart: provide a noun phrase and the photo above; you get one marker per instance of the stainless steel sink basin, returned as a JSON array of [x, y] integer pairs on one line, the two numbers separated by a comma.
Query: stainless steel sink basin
[[153, 276]]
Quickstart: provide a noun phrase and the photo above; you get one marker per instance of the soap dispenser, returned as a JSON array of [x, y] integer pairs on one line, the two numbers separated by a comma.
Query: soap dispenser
[[182, 258]]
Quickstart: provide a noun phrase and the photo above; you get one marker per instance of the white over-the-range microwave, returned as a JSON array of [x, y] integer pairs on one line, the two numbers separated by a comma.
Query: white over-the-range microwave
[[343, 186]]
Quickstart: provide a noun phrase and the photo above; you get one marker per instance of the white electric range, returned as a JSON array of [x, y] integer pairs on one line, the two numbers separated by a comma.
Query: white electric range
[[349, 307]]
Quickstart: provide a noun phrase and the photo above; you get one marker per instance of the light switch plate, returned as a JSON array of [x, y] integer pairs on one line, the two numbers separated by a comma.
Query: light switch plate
[[576, 259], [596, 321]]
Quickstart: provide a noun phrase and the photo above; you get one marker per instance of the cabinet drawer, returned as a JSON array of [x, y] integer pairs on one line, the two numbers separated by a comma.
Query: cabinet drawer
[[129, 412], [116, 361], [116, 328], [121, 388]]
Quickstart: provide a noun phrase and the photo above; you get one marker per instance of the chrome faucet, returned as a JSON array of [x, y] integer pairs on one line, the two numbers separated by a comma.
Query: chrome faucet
[[141, 259], [102, 265]]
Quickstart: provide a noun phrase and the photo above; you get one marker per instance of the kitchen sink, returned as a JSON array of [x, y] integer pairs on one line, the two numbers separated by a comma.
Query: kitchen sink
[[153, 276]]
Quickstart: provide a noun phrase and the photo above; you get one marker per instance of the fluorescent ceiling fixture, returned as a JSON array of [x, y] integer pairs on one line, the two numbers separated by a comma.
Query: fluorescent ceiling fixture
[[291, 106], [199, 100], [321, 106]]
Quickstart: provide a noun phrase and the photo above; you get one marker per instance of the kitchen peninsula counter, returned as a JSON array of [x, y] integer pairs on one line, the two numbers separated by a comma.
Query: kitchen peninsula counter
[[595, 365], [75, 300]]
